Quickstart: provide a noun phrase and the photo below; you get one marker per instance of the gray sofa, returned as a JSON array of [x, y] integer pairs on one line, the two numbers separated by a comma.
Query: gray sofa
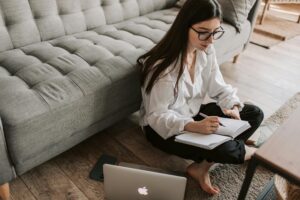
[[67, 70]]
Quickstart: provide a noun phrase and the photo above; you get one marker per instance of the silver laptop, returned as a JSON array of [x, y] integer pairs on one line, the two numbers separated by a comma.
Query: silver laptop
[[122, 182]]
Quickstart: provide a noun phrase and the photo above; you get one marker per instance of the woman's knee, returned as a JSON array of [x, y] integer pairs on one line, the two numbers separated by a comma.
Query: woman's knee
[[254, 113], [231, 152]]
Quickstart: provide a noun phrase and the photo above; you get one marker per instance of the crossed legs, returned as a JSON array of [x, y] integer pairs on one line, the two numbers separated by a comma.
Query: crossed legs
[[231, 152], [200, 172]]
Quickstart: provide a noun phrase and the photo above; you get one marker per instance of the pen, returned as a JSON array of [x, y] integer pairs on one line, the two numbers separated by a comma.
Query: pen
[[204, 115]]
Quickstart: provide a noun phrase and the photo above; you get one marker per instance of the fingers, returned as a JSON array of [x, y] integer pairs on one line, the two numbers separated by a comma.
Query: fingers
[[213, 119], [210, 124], [215, 124], [213, 127], [232, 113], [226, 111], [235, 115]]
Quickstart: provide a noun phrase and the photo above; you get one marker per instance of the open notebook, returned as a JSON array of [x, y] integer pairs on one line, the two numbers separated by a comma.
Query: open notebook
[[231, 129]]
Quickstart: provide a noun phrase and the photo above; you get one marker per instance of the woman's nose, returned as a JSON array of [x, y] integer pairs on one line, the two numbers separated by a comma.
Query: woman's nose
[[210, 40]]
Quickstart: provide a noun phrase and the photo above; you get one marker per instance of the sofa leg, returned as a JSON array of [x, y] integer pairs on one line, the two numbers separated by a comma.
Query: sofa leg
[[235, 58], [4, 191], [298, 19], [264, 12]]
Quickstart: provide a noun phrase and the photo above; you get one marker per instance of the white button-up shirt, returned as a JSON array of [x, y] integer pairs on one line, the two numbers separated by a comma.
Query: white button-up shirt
[[167, 114]]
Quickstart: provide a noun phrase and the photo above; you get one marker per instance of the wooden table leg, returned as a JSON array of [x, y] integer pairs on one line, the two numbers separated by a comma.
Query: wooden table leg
[[4, 191], [249, 175]]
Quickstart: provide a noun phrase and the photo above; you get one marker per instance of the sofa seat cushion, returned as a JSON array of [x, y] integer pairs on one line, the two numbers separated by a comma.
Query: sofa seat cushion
[[46, 89]]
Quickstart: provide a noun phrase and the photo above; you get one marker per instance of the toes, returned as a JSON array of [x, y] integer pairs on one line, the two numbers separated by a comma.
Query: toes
[[217, 189], [211, 190], [214, 191]]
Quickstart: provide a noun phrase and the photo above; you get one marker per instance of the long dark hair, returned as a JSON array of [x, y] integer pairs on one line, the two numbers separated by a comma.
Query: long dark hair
[[174, 43]]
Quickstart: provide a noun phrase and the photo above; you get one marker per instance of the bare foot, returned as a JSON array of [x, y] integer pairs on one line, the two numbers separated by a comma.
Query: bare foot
[[250, 142], [249, 152], [200, 172]]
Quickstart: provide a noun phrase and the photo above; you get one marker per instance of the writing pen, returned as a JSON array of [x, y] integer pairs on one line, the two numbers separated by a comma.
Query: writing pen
[[204, 115]]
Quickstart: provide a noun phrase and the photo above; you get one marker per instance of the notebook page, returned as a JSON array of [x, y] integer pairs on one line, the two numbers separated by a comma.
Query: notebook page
[[232, 127], [201, 140]]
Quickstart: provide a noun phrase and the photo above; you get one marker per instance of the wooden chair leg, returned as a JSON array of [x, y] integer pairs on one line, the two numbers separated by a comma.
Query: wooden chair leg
[[298, 19], [4, 191], [235, 58], [264, 12]]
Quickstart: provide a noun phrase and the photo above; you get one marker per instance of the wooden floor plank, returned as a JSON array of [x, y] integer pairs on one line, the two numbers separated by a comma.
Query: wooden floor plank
[[109, 145], [266, 77], [19, 190], [47, 181], [79, 161], [76, 166], [267, 84], [135, 141]]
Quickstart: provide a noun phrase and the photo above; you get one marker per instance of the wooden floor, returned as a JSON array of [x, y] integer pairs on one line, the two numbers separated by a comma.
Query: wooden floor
[[265, 77]]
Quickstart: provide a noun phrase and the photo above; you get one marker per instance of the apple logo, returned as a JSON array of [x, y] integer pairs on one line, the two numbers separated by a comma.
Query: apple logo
[[143, 191]]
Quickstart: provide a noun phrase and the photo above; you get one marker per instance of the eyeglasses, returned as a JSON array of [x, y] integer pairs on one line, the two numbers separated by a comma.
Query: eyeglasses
[[205, 35]]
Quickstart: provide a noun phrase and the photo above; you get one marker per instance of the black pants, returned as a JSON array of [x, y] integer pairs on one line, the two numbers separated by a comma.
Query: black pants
[[232, 151]]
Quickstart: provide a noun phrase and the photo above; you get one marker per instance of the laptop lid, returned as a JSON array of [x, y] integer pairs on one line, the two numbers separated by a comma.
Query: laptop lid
[[129, 183]]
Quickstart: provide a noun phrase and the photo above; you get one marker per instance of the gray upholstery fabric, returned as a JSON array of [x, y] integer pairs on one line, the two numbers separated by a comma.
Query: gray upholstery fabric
[[236, 11], [6, 169], [52, 89], [50, 148], [67, 70], [23, 22], [225, 46], [49, 74]]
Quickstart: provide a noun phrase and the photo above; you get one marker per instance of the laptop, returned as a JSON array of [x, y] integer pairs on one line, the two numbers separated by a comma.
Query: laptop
[[124, 182]]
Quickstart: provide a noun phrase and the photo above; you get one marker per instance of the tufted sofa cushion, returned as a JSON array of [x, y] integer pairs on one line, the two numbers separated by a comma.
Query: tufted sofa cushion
[[23, 22], [85, 76], [50, 73]]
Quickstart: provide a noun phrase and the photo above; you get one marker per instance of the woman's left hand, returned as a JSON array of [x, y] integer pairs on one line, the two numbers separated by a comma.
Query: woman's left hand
[[234, 112]]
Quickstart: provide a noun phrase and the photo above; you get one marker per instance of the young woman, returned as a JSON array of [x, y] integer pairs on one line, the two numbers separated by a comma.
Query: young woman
[[176, 75]]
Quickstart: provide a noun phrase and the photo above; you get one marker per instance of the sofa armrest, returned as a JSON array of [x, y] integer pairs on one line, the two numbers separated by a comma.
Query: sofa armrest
[[254, 12], [7, 172]]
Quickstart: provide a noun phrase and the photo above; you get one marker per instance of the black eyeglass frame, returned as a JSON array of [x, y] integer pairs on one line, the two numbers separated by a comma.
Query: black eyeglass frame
[[210, 33]]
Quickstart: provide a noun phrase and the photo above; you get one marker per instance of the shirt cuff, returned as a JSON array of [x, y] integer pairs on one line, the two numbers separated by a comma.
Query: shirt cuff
[[185, 122]]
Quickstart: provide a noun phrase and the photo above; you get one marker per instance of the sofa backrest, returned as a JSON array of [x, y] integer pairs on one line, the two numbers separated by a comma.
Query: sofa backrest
[[24, 22]]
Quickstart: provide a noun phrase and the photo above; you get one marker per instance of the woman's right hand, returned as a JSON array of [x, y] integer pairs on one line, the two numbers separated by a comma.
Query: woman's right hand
[[207, 126]]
